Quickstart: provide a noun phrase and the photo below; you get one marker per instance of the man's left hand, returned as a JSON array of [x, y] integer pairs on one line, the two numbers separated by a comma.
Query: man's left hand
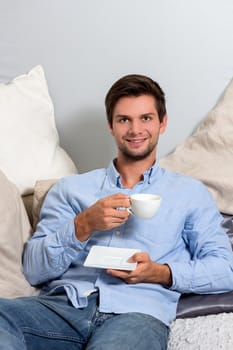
[[147, 271]]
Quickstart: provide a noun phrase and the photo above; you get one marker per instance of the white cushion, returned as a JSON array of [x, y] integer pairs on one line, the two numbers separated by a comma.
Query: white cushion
[[29, 142], [208, 154]]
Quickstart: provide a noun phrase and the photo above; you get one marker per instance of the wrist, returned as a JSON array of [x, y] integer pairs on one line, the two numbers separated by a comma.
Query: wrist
[[83, 229], [167, 276], [162, 274]]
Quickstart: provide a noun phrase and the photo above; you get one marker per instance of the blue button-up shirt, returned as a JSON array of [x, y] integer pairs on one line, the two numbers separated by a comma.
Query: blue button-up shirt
[[185, 233]]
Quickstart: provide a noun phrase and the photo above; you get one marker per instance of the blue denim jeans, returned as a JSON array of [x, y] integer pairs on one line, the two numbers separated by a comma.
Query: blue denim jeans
[[51, 322]]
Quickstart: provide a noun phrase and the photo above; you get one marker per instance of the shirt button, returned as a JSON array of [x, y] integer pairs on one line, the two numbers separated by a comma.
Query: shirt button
[[118, 233]]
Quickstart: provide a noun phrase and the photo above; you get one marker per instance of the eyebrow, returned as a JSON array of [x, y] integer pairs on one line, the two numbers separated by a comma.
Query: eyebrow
[[128, 116]]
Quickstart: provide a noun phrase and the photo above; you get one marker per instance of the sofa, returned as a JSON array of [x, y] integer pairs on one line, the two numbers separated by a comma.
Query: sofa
[[201, 324], [203, 321]]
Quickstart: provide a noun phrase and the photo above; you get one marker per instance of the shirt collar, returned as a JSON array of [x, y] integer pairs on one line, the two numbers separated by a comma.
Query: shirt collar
[[115, 177]]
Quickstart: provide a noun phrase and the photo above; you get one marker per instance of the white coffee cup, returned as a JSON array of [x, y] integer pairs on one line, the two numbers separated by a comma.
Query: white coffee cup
[[144, 205]]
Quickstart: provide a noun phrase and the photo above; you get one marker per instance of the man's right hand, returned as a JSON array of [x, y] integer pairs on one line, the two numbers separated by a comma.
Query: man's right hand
[[101, 216]]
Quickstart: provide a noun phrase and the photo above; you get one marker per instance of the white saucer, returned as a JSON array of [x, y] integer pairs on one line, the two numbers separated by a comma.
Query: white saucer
[[110, 258]]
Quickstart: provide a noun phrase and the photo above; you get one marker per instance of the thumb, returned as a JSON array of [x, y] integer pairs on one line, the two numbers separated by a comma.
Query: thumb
[[137, 257]]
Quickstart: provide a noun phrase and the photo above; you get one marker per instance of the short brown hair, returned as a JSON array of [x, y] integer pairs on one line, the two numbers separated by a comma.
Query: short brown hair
[[135, 85]]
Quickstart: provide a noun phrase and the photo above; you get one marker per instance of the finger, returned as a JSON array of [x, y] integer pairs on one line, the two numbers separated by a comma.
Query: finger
[[121, 202], [119, 273], [131, 280], [116, 223], [121, 214], [115, 216], [139, 257]]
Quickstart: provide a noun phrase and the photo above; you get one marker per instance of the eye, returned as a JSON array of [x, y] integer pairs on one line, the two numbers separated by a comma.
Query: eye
[[146, 118], [123, 120]]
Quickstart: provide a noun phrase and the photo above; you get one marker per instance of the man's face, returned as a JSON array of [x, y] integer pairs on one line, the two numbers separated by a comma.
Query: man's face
[[136, 127]]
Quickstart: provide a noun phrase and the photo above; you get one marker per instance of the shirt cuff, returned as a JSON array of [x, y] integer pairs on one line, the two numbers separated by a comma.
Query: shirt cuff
[[69, 239]]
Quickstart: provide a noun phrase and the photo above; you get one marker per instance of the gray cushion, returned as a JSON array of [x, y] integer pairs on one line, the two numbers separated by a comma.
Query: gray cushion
[[192, 305]]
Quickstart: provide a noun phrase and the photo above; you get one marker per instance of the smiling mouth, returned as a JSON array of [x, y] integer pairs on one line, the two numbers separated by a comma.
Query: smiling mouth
[[136, 142]]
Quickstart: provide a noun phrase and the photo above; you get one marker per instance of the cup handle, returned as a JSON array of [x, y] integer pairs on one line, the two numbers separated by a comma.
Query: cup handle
[[130, 211]]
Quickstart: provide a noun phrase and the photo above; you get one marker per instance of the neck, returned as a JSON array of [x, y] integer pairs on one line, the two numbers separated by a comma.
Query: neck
[[132, 171]]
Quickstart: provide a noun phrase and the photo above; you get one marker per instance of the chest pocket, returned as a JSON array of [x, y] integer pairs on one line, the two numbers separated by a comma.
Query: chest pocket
[[157, 236]]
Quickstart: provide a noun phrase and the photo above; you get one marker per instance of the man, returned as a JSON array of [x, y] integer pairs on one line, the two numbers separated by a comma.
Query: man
[[183, 247]]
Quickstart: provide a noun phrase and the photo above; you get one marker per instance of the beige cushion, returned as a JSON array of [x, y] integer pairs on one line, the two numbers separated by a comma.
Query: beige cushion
[[29, 141], [41, 189], [208, 153], [27, 201], [15, 229]]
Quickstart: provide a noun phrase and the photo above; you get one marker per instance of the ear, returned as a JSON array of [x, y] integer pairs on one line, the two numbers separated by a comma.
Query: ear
[[163, 125], [110, 129]]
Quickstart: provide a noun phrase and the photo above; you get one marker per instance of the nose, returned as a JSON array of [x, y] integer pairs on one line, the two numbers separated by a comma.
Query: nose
[[135, 127]]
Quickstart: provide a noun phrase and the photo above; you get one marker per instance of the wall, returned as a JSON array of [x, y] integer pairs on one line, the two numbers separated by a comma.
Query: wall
[[85, 45]]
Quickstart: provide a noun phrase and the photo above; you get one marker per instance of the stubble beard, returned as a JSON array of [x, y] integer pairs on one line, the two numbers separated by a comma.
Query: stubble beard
[[136, 157]]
